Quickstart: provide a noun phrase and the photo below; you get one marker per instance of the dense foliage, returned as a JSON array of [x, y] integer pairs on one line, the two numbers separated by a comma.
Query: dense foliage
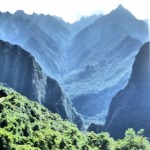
[[26, 125]]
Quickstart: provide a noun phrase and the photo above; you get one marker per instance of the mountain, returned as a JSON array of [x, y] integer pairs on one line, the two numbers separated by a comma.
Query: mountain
[[26, 125], [122, 17], [91, 59], [42, 36], [20, 71], [79, 25], [100, 61], [130, 107]]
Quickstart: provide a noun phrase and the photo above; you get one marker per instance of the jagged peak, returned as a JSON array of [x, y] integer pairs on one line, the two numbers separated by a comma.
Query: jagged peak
[[122, 11], [120, 6]]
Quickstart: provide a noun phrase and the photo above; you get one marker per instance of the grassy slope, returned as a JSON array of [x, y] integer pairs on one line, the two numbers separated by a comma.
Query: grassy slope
[[26, 125]]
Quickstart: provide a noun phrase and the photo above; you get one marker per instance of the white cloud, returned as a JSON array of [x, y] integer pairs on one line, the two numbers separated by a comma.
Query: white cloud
[[71, 10]]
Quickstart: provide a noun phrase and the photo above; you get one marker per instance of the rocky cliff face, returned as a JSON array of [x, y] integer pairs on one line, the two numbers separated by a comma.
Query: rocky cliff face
[[20, 71], [130, 107]]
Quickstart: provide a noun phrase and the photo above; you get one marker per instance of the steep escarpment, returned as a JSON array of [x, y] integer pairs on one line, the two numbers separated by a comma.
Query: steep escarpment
[[20, 71], [130, 107]]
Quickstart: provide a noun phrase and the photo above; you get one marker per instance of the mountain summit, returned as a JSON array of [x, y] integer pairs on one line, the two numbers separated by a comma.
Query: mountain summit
[[120, 6]]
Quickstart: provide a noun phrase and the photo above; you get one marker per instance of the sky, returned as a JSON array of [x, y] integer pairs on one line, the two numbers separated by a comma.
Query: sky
[[73, 10]]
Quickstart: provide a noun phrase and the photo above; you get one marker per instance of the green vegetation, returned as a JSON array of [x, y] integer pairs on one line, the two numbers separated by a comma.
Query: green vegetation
[[26, 125]]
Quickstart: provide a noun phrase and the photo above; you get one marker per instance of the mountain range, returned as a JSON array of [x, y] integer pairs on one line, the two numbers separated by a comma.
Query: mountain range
[[91, 59]]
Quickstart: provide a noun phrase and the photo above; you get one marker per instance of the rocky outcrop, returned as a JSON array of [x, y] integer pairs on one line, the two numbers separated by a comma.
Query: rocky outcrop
[[130, 107], [20, 71]]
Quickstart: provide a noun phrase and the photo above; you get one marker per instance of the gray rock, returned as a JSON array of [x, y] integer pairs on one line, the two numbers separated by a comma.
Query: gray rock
[[20, 71], [130, 106]]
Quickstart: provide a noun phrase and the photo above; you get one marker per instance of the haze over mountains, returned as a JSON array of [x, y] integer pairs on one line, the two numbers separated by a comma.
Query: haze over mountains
[[92, 58], [29, 32]]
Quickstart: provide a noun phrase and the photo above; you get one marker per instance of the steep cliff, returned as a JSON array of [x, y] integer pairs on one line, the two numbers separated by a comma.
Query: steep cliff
[[20, 71], [130, 107]]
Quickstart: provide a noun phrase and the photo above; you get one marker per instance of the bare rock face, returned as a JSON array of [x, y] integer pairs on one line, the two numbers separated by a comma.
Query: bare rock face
[[130, 108], [20, 71]]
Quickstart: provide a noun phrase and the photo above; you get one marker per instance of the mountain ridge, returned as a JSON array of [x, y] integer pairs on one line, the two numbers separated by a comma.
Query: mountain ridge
[[32, 82], [130, 106]]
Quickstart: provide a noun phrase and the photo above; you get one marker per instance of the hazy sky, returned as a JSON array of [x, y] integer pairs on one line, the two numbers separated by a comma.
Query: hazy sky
[[71, 10]]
